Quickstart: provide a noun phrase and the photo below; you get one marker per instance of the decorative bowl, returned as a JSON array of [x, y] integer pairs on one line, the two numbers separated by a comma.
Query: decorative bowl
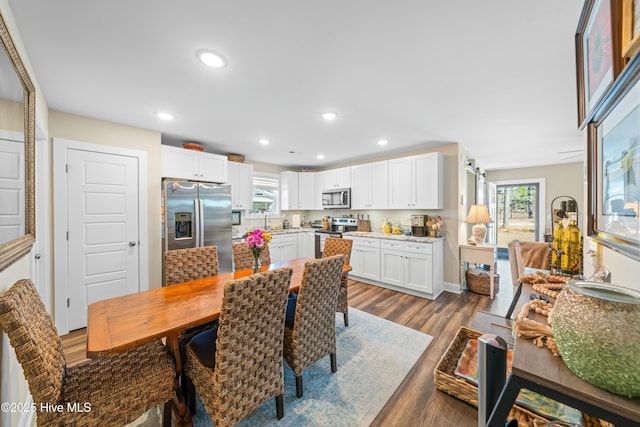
[[596, 328], [193, 146]]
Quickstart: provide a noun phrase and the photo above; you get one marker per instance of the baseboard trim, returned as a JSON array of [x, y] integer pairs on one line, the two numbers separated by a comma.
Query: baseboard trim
[[454, 288]]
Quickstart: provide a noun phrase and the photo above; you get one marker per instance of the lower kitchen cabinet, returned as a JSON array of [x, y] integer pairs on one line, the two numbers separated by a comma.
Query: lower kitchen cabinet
[[365, 258], [413, 267], [283, 247], [392, 262]]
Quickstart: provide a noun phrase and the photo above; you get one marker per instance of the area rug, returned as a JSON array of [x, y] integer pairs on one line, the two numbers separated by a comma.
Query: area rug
[[374, 356]]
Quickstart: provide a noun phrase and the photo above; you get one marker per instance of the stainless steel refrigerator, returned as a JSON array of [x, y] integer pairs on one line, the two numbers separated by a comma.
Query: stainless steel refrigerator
[[197, 214]]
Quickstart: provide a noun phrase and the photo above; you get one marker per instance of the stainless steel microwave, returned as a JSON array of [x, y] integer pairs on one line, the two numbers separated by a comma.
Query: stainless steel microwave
[[336, 198]]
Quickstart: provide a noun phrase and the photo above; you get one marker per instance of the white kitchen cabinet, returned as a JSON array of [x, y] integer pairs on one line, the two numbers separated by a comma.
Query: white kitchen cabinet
[[297, 190], [416, 182], [335, 178], [283, 247], [306, 244], [241, 181], [411, 265], [194, 165], [370, 186], [418, 267], [365, 258], [328, 180], [289, 190], [306, 190], [392, 262]]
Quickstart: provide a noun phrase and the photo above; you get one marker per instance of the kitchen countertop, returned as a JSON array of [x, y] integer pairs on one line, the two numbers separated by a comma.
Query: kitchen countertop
[[282, 231], [403, 237], [293, 230]]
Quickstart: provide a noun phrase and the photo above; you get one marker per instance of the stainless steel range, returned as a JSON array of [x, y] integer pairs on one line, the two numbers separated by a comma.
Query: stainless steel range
[[338, 226]]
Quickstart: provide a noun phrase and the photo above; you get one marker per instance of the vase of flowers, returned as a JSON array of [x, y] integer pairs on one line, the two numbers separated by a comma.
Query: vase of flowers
[[257, 240]]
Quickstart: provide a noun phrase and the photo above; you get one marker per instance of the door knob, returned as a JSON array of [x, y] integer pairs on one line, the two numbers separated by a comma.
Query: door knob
[[132, 243]]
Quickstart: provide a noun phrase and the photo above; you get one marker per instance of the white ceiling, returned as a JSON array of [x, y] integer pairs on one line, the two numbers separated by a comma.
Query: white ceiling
[[497, 76]]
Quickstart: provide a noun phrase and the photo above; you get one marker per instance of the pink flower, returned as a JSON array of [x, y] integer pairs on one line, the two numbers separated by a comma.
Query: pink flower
[[257, 240]]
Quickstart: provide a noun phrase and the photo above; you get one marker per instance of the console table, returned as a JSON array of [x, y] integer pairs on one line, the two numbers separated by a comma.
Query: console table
[[482, 254], [536, 369]]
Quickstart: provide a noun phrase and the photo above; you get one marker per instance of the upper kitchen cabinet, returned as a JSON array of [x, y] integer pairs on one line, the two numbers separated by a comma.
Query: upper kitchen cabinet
[[334, 178], [297, 190], [370, 186], [289, 190], [416, 182], [241, 180], [194, 165], [330, 179]]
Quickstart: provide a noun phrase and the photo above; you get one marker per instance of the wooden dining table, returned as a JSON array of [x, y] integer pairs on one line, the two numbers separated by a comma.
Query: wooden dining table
[[125, 322]]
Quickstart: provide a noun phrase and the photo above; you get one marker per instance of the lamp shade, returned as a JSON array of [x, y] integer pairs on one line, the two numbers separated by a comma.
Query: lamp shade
[[478, 214]]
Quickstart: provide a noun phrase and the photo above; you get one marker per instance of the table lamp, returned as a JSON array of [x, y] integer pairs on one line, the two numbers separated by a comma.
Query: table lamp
[[478, 215]]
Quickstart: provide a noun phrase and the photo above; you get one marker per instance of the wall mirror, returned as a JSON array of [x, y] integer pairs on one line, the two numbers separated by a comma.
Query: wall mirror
[[17, 162]]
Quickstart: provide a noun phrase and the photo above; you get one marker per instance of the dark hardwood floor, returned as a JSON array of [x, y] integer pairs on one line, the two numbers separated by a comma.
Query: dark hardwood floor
[[416, 402]]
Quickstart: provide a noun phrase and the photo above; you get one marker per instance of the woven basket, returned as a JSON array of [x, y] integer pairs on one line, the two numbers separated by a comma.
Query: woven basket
[[478, 281], [445, 380], [238, 158]]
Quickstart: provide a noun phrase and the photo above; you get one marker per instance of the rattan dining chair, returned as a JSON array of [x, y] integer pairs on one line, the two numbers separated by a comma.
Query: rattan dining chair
[[336, 246], [310, 327], [243, 259], [238, 366], [118, 388], [183, 265]]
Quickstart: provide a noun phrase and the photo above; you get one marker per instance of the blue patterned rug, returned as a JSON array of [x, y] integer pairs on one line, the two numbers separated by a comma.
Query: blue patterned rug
[[374, 356]]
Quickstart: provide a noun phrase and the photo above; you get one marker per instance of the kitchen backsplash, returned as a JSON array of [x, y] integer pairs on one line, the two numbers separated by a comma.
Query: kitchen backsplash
[[376, 217]]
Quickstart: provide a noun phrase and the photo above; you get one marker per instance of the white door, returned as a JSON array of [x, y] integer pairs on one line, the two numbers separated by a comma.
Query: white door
[[11, 190], [102, 227]]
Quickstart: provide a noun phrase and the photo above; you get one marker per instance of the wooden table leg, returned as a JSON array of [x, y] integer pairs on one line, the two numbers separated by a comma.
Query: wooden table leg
[[181, 415]]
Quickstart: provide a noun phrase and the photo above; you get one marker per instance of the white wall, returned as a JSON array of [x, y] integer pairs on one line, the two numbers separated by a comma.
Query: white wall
[[13, 386]]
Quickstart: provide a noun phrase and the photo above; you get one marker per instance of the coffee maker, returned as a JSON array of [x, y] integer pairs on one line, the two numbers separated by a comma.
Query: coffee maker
[[419, 225]]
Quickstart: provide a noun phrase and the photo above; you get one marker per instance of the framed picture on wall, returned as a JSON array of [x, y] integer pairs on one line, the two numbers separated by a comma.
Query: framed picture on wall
[[598, 56], [630, 28], [614, 167]]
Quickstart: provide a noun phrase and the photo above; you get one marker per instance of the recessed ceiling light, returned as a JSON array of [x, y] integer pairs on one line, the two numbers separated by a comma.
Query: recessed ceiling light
[[329, 116], [164, 116], [383, 142], [264, 141], [320, 156], [211, 58]]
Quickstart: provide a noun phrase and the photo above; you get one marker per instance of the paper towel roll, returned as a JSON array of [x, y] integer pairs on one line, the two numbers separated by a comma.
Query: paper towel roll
[[295, 221]]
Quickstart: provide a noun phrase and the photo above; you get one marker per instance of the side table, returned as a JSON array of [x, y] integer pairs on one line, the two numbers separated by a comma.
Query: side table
[[483, 254]]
